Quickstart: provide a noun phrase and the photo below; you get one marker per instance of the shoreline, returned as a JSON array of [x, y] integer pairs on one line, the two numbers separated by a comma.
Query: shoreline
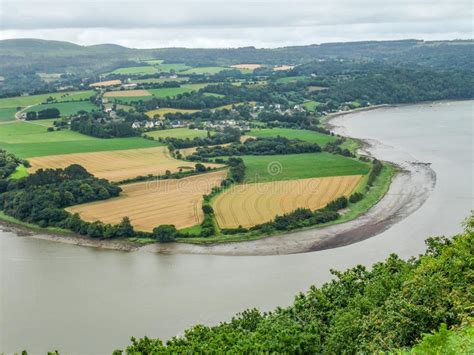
[[409, 189]]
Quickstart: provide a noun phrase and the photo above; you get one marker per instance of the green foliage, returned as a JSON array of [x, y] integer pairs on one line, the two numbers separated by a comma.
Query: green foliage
[[40, 197], [43, 114], [8, 164], [387, 308], [97, 125], [258, 146], [165, 233], [446, 342]]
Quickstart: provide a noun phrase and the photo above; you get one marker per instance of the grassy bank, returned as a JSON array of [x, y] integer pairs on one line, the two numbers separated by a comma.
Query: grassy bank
[[33, 227]]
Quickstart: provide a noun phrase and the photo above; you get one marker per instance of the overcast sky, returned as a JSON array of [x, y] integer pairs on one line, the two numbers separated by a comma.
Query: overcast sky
[[233, 23]]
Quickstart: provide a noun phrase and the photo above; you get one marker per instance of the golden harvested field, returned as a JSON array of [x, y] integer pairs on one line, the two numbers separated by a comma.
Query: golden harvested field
[[165, 110], [250, 204], [283, 67], [127, 93], [117, 165], [151, 203], [106, 83], [246, 66]]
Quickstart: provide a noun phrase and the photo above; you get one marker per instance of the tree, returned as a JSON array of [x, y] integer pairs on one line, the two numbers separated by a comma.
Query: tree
[[125, 229], [165, 233], [200, 168]]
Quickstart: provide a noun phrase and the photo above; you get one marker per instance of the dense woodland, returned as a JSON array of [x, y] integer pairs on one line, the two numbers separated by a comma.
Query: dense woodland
[[96, 124], [41, 197], [391, 307]]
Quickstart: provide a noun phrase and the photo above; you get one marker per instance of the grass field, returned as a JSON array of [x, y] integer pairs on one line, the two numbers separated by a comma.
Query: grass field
[[163, 111], [7, 114], [316, 88], [67, 108], [27, 139], [291, 79], [161, 93], [300, 166], [139, 70], [158, 80], [21, 171], [304, 135], [176, 67], [150, 204], [213, 94], [164, 92], [250, 204], [154, 61], [117, 165], [311, 105], [23, 101], [204, 70], [182, 133]]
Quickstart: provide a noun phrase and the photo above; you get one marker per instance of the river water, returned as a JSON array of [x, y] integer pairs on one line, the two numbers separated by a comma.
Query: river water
[[82, 300]]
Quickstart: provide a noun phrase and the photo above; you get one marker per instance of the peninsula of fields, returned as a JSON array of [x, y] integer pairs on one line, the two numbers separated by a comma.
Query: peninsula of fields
[[198, 149]]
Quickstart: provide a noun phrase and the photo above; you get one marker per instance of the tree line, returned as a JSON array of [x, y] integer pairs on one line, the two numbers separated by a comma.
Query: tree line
[[257, 146]]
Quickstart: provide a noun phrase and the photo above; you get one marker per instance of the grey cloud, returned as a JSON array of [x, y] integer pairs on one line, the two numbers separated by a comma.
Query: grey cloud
[[144, 23], [21, 14]]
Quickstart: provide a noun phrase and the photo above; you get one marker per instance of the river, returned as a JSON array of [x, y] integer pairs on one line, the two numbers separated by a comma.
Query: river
[[82, 300]]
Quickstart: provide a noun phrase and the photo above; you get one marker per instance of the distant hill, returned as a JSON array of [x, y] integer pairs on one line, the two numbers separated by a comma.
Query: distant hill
[[19, 55]]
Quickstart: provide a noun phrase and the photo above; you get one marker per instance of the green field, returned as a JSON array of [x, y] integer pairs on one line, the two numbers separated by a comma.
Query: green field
[[176, 67], [291, 79], [27, 139], [304, 135], [161, 93], [165, 92], [139, 70], [7, 114], [67, 108], [213, 94], [154, 61], [300, 166], [20, 172], [128, 99], [182, 133], [204, 70], [158, 80], [22, 101], [311, 105]]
